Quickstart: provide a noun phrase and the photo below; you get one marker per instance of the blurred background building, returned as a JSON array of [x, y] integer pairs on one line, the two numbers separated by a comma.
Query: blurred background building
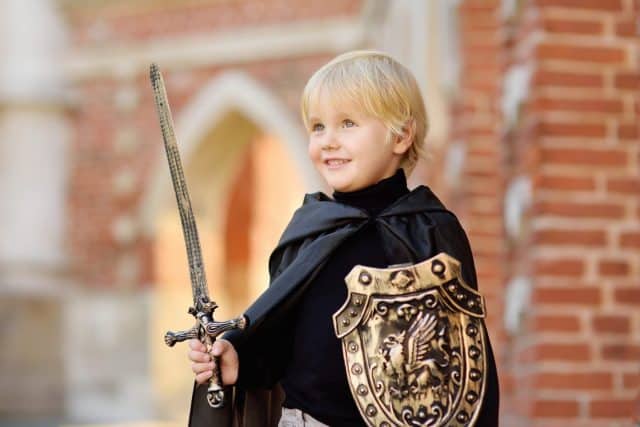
[[533, 142]]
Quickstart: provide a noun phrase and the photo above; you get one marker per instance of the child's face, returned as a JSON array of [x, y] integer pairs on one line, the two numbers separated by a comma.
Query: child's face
[[348, 147]]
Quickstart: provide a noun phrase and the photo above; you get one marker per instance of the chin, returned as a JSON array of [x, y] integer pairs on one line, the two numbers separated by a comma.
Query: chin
[[337, 184], [345, 188]]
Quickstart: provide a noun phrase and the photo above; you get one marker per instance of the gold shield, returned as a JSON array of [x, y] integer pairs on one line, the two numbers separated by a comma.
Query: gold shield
[[413, 344]]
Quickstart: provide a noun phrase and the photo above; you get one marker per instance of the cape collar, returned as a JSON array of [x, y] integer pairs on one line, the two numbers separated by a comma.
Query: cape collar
[[319, 213]]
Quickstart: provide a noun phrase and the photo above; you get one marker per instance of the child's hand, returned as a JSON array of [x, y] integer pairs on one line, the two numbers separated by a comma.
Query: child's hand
[[202, 365]]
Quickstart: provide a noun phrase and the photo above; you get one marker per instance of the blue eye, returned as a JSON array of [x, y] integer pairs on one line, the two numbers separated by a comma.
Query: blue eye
[[348, 123], [317, 127]]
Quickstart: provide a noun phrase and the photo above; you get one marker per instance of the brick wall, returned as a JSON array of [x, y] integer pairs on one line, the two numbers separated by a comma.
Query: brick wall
[[124, 22], [574, 359]]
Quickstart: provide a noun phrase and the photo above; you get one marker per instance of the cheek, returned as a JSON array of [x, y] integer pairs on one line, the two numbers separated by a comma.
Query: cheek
[[313, 150]]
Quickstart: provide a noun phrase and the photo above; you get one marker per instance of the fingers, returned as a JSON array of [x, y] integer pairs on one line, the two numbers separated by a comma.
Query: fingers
[[198, 356], [199, 368], [203, 365], [203, 377], [220, 347], [203, 371], [197, 345], [198, 352]]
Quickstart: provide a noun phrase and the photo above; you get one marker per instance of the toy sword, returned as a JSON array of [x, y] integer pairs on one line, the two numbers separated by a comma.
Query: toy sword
[[206, 328]]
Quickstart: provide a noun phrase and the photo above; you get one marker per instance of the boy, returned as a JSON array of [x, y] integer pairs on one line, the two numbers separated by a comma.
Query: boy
[[367, 124]]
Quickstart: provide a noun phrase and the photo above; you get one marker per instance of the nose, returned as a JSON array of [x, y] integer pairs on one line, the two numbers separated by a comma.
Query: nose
[[329, 142]]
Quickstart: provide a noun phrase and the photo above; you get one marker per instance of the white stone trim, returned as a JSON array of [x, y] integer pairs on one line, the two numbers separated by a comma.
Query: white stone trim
[[235, 91], [238, 46]]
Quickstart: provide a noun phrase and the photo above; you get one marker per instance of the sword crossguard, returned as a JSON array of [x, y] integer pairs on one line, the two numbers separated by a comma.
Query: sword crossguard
[[214, 329], [170, 338], [207, 330]]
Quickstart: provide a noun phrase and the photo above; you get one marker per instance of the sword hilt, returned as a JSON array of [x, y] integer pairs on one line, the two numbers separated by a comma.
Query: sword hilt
[[215, 392], [212, 329], [207, 331]]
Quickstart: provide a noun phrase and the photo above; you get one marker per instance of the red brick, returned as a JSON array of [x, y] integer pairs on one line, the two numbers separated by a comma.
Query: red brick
[[587, 105], [563, 237], [573, 26], [556, 323], [580, 210], [565, 183], [556, 408], [569, 79], [613, 268], [631, 381], [621, 352], [628, 131], [630, 239], [628, 295], [611, 324], [562, 352], [559, 267], [629, 185], [480, 6], [583, 156], [479, 22], [574, 381], [586, 130], [599, 5], [611, 408], [626, 27], [629, 81], [573, 295], [580, 53]]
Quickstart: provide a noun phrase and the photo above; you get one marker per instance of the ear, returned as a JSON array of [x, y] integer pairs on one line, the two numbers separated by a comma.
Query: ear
[[402, 142]]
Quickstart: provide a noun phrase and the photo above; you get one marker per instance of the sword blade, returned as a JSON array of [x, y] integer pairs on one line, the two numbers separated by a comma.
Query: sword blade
[[199, 286]]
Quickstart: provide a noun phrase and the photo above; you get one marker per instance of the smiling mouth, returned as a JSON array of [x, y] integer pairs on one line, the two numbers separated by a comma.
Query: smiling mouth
[[334, 163]]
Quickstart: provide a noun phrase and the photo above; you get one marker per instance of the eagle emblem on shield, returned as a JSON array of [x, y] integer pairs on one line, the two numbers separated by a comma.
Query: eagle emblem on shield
[[414, 344]]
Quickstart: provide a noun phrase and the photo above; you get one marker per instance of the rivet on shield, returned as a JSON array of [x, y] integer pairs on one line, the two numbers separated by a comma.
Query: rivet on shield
[[356, 368], [362, 390], [345, 322], [437, 268], [364, 277], [353, 347], [472, 331], [371, 411], [353, 313], [475, 374], [474, 352], [471, 396], [462, 417]]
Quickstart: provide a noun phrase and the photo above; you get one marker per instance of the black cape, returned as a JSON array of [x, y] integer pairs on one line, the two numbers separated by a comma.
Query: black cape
[[415, 227]]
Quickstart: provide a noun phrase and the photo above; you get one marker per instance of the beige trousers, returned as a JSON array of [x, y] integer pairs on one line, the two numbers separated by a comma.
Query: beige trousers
[[297, 418]]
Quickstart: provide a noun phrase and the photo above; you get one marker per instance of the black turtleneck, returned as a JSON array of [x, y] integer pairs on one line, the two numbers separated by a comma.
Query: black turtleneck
[[315, 380]]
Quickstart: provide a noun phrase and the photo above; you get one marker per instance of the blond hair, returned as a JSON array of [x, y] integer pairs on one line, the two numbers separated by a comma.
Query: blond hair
[[381, 87]]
